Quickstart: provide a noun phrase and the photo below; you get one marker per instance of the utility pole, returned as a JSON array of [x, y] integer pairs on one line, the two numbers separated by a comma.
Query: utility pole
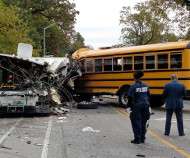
[[44, 32]]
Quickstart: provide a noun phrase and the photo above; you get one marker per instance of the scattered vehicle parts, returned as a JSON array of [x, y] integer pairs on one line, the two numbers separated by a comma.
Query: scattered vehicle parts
[[36, 85], [87, 105], [90, 129], [140, 155]]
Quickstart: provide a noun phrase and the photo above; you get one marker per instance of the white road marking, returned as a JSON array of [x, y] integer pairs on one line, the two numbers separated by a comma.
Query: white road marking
[[160, 119], [46, 141], [9, 131]]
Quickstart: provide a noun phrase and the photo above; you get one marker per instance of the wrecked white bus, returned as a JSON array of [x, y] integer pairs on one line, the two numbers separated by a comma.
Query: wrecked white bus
[[110, 71], [34, 85]]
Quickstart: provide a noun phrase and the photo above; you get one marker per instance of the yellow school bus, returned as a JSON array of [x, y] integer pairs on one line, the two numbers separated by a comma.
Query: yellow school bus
[[110, 71]]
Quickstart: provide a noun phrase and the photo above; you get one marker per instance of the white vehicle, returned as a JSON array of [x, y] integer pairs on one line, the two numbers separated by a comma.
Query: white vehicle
[[29, 84]]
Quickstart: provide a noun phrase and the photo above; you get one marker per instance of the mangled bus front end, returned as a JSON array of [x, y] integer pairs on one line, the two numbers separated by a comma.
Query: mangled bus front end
[[41, 85]]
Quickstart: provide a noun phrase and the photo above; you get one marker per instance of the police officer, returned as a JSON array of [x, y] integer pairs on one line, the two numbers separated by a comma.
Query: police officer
[[139, 104]]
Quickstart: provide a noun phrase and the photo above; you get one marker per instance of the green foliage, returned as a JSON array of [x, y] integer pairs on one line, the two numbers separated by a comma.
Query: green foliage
[[39, 14], [118, 46], [187, 3], [151, 22], [13, 30], [183, 3], [77, 44], [183, 16]]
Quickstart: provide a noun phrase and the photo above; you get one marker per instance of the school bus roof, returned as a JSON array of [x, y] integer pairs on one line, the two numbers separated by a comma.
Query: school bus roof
[[86, 52]]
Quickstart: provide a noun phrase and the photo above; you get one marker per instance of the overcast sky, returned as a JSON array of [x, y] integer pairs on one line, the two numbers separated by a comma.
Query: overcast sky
[[98, 21]]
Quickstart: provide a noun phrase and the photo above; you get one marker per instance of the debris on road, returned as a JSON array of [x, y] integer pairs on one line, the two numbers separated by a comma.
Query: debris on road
[[139, 155], [39, 144], [62, 119], [1, 146], [87, 105], [89, 129]]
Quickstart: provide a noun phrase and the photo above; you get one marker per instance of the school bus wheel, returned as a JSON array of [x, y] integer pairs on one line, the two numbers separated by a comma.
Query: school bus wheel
[[123, 99]]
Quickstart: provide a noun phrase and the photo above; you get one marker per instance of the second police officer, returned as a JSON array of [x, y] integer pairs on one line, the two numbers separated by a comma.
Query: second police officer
[[138, 102]]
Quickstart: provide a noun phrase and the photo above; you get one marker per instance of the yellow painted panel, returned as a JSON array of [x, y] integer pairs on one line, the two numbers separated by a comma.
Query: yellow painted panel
[[155, 79], [185, 59], [143, 48]]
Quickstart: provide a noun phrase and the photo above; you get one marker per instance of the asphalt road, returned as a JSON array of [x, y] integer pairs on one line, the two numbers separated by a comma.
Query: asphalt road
[[108, 135]]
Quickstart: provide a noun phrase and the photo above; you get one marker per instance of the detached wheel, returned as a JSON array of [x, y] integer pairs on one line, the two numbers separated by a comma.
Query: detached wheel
[[87, 105], [123, 97]]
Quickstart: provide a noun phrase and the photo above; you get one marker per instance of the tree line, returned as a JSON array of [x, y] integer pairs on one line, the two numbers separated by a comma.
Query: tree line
[[148, 22], [23, 21], [155, 22]]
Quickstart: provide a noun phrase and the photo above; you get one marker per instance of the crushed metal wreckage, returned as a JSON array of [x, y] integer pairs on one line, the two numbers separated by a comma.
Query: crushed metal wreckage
[[36, 85]]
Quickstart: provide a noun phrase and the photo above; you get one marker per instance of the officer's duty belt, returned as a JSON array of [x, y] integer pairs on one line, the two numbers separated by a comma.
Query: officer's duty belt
[[141, 100]]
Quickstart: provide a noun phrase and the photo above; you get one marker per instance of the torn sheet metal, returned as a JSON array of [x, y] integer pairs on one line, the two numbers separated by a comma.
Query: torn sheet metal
[[48, 79]]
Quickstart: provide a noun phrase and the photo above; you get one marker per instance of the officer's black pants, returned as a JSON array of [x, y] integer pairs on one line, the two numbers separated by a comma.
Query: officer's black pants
[[139, 116]]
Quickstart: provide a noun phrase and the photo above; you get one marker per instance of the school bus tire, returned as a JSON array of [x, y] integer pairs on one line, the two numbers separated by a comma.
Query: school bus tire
[[123, 99]]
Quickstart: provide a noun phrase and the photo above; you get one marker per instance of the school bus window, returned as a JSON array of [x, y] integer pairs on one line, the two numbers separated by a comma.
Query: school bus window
[[162, 61], [117, 63], [108, 64], [138, 62], [98, 65], [127, 63], [150, 62], [89, 65], [82, 65], [175, 60]]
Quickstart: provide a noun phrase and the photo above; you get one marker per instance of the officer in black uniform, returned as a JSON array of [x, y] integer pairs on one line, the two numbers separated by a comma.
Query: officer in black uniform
[[138, 102]]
